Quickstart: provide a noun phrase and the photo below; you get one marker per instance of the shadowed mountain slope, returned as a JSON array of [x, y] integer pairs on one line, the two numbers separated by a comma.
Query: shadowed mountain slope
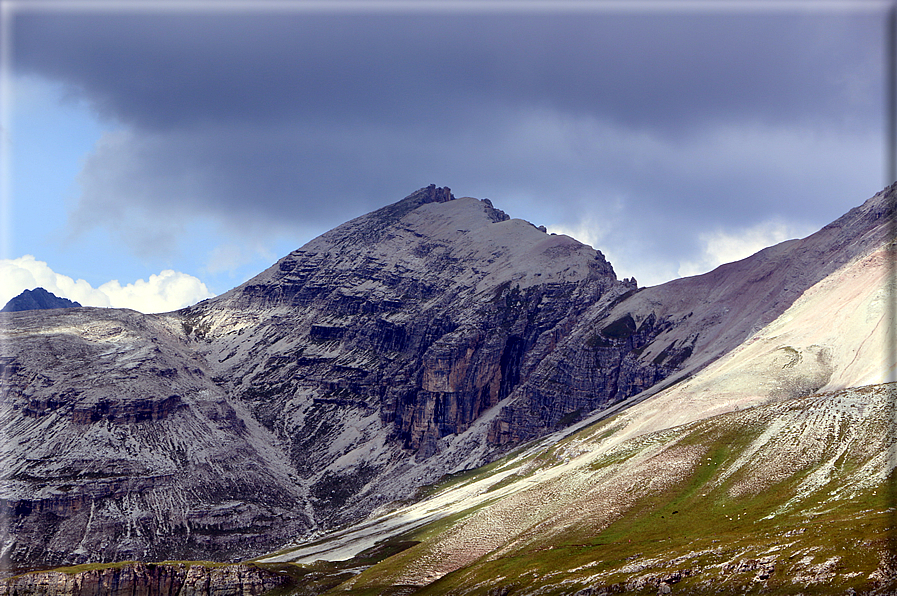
[[675, 329], [303, 399], [392, 338]]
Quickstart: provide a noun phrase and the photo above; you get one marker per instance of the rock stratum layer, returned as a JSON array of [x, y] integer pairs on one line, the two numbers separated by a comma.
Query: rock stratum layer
[[141, 579], [118, 445], [425, 338]]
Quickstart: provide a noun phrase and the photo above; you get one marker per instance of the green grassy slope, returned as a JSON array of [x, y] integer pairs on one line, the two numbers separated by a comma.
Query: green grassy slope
[[793, 497]]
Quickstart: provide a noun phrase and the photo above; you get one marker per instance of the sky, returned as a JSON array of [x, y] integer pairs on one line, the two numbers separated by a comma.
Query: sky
[[158, 153]]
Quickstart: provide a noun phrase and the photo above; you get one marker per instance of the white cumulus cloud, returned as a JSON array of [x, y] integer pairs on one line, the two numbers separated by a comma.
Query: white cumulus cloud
[[588, 231], [163, 292]]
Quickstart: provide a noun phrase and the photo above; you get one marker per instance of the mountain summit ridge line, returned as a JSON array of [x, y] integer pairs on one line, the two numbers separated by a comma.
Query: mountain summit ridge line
[[425, 338]]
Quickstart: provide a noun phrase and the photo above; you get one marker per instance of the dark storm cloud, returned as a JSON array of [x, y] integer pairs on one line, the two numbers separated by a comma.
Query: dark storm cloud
[[163, 71], [272, 119]]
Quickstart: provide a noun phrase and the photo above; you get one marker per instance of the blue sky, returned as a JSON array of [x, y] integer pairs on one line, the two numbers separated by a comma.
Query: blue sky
[[52, 132], [159, 156]]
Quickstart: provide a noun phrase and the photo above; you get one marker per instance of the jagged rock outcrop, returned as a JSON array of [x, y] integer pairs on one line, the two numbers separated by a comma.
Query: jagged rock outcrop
[[152, 579], [379, 344], [314, 393], [37, 299], [117, 444]]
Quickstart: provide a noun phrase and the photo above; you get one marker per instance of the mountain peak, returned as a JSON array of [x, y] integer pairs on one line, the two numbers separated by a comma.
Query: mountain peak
[[442, 241], [425, 339], [391, 213], [37, 299], [430, 194]]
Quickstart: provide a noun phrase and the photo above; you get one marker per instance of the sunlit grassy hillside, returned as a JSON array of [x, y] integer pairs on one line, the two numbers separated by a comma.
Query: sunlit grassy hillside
[[792, 497]]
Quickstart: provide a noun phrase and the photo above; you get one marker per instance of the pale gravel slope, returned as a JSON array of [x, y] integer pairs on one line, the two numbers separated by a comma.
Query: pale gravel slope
[[833, 337], [589, 482], [721, 306]]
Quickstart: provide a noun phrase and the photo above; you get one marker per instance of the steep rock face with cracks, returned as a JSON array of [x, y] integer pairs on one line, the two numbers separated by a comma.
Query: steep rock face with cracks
[[305, 398], [140, 579], [391, 339], [118, 445]]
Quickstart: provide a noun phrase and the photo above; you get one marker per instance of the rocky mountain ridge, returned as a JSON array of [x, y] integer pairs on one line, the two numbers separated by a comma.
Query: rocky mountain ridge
[[674, 330], [307, 397], [393, 335], [422, 339]]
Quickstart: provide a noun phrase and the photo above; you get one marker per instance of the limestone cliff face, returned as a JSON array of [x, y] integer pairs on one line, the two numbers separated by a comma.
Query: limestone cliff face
[[321, 389], [648, 339], [117, 444], [383, 343], [140, 579]]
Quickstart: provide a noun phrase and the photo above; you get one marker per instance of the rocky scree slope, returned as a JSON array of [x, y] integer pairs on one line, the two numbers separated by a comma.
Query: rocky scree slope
[[769, 470], [116, 444], [788, 497]]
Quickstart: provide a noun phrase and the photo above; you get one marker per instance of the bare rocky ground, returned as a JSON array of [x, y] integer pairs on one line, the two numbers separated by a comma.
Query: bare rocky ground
[[784, 498], [153, 579]]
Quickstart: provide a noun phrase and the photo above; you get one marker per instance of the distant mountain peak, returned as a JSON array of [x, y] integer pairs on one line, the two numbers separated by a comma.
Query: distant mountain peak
[[37, 299]]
